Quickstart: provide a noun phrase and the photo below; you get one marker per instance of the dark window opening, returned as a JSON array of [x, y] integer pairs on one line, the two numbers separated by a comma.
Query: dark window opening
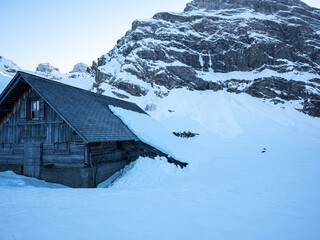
[[119, 146], [35, 109]]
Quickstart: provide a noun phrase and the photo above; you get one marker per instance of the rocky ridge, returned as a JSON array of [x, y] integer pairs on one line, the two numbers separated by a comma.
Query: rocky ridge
[[79, 77], [268, 49]]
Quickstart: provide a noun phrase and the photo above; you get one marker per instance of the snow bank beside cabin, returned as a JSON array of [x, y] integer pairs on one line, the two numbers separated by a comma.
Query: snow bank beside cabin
[[11, 180], [147, 172], [152, 132]]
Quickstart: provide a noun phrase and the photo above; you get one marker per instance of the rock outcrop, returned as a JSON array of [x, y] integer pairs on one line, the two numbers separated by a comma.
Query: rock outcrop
[[46, 68]]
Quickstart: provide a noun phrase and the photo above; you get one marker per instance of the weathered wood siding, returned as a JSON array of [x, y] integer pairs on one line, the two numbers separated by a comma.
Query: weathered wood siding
[[106, 152], [60, 144], [106, 159]]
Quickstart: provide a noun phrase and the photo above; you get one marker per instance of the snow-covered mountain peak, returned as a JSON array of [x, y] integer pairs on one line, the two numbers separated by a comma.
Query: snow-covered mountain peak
[[46, 68], [267, 49]]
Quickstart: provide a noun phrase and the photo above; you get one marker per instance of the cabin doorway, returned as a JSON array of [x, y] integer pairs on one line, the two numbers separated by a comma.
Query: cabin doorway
[[32, 159]]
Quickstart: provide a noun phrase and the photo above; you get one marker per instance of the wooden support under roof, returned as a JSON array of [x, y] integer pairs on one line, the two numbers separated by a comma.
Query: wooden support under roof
[[5, 109]]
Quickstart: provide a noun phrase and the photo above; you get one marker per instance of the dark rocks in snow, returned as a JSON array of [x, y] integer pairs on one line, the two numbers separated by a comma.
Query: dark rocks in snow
[[185, 134], [150, 107], [312, 106], [133, 89], [120, 95]]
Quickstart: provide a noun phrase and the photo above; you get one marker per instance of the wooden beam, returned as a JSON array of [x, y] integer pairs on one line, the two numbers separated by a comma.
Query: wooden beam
[[170, 159], [4, 109]]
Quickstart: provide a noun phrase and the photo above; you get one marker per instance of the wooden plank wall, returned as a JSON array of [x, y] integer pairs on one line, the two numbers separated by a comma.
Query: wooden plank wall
[[61, 145], [106, 152]]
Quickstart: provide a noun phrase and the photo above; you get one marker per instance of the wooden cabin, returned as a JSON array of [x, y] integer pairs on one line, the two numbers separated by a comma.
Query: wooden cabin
[[64, 134]]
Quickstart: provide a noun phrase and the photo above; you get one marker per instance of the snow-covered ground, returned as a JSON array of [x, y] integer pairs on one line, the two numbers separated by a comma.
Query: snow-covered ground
[[230, 190]]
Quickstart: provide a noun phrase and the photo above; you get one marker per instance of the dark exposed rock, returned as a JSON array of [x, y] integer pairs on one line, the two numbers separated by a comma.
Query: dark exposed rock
[[133, 89], [185, 134], [119, 95], [150, 107]]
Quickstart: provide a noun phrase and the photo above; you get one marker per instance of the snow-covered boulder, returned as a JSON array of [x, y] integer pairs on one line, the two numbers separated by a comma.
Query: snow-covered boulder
[[80, 67]]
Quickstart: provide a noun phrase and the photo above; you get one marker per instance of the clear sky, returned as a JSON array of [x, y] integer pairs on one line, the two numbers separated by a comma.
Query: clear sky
[[65, 32]]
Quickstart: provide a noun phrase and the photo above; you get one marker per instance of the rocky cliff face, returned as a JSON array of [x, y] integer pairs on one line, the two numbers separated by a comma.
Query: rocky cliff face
[[269, 49]]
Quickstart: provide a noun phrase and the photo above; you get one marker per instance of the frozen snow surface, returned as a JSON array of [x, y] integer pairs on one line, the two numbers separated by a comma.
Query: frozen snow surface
[[253, 174], [11, 180]]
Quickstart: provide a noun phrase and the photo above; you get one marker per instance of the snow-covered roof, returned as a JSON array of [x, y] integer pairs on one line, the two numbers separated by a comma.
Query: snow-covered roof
[[86, 112]]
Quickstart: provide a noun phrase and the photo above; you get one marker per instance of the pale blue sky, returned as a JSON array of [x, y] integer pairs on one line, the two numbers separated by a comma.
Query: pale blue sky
[[65, 32]]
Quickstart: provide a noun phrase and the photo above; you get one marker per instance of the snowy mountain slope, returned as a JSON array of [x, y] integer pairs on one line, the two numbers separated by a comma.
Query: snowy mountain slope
[[8, 67], [232, 188], [7, 70], [267, 49]]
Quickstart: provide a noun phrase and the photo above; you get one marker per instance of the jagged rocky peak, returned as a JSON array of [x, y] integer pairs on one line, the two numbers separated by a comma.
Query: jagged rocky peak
[[264, 6], [46, 68], [268, 49], [80, 67]]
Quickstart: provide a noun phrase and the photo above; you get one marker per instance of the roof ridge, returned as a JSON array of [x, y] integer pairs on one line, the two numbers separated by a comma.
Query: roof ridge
[[60, 83]]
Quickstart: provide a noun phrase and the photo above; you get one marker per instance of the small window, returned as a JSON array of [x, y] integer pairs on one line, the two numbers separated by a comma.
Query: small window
[[35, 109]]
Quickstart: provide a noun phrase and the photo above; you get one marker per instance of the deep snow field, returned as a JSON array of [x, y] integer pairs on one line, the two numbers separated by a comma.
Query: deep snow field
[[230, 190]]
